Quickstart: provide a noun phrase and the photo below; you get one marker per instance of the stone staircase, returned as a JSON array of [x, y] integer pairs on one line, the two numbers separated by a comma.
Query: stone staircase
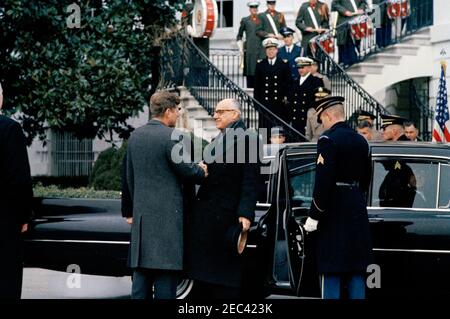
[[405, 60]]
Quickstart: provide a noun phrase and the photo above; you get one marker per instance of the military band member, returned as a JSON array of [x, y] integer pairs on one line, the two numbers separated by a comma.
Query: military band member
[[392, 127], [290, 51], [250, 49], [302, 96], [271, 22], [347, 10], [312, 20], [338, 210], [272, 82], [315, 72], [313, 128]]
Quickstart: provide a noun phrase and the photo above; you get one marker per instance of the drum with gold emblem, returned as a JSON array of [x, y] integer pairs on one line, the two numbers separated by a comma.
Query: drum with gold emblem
[[361, 27], [204, 19], [326, 41], [398, 9]]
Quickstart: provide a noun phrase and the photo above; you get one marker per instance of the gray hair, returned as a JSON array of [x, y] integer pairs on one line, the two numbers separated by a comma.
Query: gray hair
[[234, 104]]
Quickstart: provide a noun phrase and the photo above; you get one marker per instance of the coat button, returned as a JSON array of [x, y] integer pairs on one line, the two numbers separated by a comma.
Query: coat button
[[295, 110], [267, 91], [267, 84], [294, 118], [267, 98], [267, 77], [275, 84], [275, 91], [303, 119], [275, 98], [275, 77], [303, 102], [295, 102], [295, 94], [304, 94]]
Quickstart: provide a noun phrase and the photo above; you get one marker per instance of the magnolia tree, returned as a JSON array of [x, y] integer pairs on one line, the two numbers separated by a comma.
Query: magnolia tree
[[81, 66]]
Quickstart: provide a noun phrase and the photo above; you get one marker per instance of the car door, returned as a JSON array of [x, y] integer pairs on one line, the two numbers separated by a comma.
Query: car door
[[299, 174], [410, 224]]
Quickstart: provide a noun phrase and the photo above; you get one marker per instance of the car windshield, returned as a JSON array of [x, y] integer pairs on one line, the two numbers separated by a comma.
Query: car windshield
[[404, 183]]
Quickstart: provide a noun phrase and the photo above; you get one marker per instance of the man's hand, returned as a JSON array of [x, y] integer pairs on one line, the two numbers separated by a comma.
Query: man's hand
[[310, 225], [360, 11], [204, 168], [24, 228], [245, 223], [348, 14], [129, 220], [310, 29], [320, 30], [271, 35]]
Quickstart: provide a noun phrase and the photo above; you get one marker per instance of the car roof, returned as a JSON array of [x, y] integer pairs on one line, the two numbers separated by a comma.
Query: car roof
[[386, 148]]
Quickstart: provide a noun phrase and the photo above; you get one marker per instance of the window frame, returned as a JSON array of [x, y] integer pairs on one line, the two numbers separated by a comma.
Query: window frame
[[220, 14], [438, 191]]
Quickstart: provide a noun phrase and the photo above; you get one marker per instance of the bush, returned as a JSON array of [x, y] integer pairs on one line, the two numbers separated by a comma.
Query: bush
[[54, 191], [107, 170]]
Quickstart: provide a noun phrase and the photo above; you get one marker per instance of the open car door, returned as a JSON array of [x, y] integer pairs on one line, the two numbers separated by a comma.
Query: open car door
[[299, 175]]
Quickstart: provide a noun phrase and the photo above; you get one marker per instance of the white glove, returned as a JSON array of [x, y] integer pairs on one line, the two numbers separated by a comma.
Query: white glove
[[311, 225], [240, 45]]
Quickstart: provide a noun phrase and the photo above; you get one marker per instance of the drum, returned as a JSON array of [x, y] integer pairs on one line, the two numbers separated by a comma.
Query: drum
[[398, 9], [326, 41], [361, 27]]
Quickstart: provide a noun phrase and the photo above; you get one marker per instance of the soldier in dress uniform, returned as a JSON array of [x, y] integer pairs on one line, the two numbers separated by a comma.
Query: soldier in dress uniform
[[271, 22], [347, 10], [315, 72], [290, 51], [312, 20], [272, 82], [338, 211], [313, 128], [250, 49], [302, 96], [392, 126]]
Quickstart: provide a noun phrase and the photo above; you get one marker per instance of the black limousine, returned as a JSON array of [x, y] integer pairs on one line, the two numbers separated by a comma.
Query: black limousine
[[409, 211]]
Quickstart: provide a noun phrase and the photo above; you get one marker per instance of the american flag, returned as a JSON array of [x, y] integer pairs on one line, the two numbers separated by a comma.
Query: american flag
[[441, 127]]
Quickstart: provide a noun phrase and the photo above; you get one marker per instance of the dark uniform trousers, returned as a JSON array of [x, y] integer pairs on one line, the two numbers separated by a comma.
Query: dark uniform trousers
[[301, 99], [343, 242], [272, 83]]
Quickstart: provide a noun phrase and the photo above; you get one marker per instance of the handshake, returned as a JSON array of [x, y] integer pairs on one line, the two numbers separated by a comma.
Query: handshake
[[204, 167]]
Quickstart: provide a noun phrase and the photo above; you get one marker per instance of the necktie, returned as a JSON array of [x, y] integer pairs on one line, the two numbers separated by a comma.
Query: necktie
[[288, 50]]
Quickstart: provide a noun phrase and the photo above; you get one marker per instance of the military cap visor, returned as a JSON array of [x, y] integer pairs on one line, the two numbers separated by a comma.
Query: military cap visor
[[321, 92], [269, 43], [285, 31], [387, 120], [277, 131], [301, 62], [325, 103], [364, 116]]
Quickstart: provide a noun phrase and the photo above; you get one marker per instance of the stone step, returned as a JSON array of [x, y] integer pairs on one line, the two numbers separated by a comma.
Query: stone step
[[423, 31], [367, 68], [358, 77], [403, 49], [418, 39], [385, 58]]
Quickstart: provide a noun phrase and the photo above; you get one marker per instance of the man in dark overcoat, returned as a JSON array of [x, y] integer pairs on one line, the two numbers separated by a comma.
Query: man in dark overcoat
[[153, 199], [338, 210], [15, 199], [251, 48], [226, 198]]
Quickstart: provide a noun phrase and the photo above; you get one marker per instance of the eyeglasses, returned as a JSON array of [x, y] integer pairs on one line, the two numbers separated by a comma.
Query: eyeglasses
[[220, 112]]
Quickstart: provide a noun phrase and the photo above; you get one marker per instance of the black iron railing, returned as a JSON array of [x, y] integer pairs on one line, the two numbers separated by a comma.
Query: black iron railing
[[425, 114], [386, 28], [229, 61], [183, 63]]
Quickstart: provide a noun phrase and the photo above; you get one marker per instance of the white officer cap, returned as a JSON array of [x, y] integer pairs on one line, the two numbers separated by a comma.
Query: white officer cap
[[303, 61], [270, 42], [253, 4]]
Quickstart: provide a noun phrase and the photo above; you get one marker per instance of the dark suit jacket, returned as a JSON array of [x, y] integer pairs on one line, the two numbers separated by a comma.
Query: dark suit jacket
[[15, 204]]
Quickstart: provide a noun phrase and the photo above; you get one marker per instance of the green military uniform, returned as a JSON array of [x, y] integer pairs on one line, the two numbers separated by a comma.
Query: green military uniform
[[342, 6], [304, 20], [252, 47], [265, 26]]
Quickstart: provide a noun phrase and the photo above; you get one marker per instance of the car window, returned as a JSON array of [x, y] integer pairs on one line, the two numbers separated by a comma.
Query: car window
[[404, 183], [301, 181], [444, 187]]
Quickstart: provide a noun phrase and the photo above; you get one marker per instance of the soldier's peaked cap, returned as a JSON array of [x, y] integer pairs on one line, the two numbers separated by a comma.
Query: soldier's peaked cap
[[321, 92], [364, 115], [325, 103], [387, 120], [285, 31], [253, 4], [270, 42]]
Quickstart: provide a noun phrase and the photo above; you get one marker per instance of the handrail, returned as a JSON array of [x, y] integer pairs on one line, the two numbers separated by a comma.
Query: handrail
[[183, 63]]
